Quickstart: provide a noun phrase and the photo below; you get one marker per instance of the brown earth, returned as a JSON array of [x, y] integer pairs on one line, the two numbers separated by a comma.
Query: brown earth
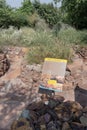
[[19, 86]]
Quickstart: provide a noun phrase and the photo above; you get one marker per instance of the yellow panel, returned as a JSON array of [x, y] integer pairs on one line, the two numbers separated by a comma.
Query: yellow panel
[[53, 82], [55, 60]]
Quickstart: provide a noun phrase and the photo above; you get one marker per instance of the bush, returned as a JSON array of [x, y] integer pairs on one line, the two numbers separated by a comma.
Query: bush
[[10, 36], [42, 38], [72, 36], [5, 19], [18, 19], [41, 25], [32, 19]]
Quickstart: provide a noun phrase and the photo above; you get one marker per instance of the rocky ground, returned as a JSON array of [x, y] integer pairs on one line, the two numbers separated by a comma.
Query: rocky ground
[[56, 115], [19, 86]]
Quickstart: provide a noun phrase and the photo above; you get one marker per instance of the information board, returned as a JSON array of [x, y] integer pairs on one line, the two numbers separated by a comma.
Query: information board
[[53, 74]]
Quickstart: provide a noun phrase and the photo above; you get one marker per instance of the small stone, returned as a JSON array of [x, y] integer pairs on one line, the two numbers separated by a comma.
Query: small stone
[[30, 80], [35, 79], [59, 98], [43, 127], [81, 95], [2, 83], [35, 106], [53, 103], [21, 124], [85, 110], [83, 120], [51, 126], [41, 120], [66, 126], [47, 117], [25, 114], [76, 126], [68, 73]]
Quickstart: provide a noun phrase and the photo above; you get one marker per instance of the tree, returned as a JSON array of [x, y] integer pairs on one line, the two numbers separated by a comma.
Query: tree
[[4, 18], [2, 3], [75, 12], [5, 12], [9, 16], [18, 19], [47, 12], [27, 7]]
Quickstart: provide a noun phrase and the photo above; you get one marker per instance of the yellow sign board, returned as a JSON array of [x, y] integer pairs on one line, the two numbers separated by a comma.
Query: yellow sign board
[[53, 73]]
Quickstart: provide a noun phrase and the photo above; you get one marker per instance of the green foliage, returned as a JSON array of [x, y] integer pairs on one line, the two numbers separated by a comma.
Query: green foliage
[[5, 12], [27, 7], [75, 12], [72, 12], [18, 19], [32, 19], [10, 36], [47, 12], [56, 28], [42, 38], [2, 3], [71, 36], [5, 19], [30, 37], [41, 25], [83, 37]]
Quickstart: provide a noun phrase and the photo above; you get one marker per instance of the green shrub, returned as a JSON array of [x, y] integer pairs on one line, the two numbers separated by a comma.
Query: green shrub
[[13, 36], [83, 37], [10, 36], [71, 35], [41, 25], [18, 19], [32, 19]]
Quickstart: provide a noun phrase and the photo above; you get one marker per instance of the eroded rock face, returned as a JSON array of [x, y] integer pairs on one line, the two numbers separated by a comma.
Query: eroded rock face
[[4, 64]]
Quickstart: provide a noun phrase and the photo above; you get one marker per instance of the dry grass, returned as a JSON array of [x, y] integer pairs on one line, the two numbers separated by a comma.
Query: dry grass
[[43, 43]]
